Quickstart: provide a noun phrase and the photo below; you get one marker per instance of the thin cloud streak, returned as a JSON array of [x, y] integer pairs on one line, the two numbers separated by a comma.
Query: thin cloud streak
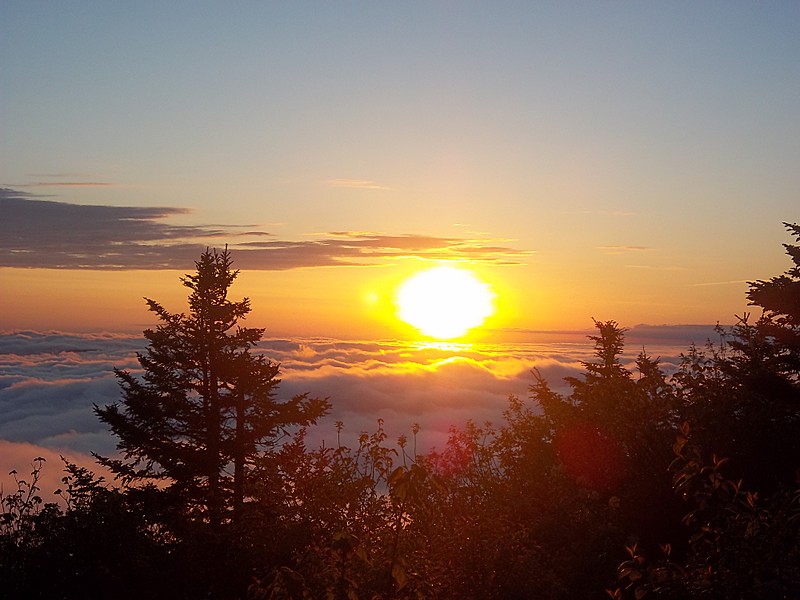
[[359, 184], [715, 283], [657, 268], [623, 249], [68, 184], [610, 213]]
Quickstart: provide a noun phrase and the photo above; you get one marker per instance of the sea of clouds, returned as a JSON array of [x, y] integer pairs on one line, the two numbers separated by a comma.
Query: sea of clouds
[[50, 381]]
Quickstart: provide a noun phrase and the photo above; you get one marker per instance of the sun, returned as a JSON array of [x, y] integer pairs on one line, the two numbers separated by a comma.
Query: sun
[[445, 302]]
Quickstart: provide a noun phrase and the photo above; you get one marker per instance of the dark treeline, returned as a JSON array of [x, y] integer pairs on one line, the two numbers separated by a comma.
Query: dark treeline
[[634, 484]]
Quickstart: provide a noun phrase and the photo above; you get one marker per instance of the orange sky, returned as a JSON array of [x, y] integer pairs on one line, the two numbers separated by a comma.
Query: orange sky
[[357, 302]]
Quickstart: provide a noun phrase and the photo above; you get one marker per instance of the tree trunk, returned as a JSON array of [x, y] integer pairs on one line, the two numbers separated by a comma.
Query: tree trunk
[[238, 460]]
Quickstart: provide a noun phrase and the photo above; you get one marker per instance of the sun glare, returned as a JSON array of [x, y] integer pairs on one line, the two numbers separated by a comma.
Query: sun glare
[[445, 302]]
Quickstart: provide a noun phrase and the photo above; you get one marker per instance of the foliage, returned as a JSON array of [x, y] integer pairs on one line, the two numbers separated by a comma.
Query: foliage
[[199, 420], [351, 509], [742, 407], [97, 544], [739, 544], [20, 507]]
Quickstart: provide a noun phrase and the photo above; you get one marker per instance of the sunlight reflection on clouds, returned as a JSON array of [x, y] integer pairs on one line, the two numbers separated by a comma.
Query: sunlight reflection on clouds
[[50, 381]]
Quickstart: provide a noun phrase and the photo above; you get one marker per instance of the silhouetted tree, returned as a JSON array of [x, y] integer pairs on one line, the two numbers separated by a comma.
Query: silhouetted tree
[[742, 395], [612, 433], [737, 461], [780, 299], [204, 403]]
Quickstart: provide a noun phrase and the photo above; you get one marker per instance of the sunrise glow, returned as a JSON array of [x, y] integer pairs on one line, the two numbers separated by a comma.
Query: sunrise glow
[[399, 299], [445, 302]]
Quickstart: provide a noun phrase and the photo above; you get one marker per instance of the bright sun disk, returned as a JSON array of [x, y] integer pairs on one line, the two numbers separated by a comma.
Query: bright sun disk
[[445, 302]]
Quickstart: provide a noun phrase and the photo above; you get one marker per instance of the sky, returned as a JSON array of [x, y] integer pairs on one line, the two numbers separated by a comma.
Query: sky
[[619, 160], [608, 160]]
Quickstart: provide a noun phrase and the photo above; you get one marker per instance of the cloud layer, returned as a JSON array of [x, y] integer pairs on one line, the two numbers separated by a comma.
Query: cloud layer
[[41, 233], [49, 382]]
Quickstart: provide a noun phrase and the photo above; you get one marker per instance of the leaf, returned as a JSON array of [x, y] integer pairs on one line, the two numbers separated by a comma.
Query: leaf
[[399, 575], [397, 476], [361, 553], [398, 482]]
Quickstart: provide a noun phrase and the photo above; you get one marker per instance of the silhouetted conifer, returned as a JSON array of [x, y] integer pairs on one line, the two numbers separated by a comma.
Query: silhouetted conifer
[[780, 299], [204, 405]]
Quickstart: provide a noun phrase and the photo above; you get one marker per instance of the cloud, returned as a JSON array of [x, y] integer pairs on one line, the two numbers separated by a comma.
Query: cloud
[[611, 213], [623, 249], [46, 233], [714, 283], [72, 180], [68, 184], [358, 248], [37, 233], [359, 184], [50, 381], [671, 336], [657, 268]]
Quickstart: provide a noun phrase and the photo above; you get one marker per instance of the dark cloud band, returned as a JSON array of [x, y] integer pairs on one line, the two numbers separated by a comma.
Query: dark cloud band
[[42, 233]]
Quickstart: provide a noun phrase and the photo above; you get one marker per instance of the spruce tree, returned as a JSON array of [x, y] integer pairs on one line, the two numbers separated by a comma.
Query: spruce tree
[[780, 299], [203, 406]]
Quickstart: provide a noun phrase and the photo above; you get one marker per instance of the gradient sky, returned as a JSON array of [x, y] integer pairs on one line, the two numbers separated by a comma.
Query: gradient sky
[[617, 160]]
